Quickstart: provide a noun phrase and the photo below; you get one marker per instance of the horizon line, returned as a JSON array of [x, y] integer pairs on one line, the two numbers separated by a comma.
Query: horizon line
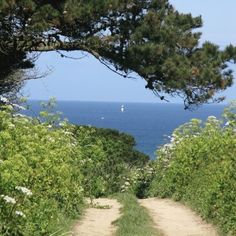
[[142, 102]]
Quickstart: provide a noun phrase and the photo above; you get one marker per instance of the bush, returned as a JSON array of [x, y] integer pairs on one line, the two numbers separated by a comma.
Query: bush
[[198, 167], [40, 177], [47, 166], [137, 180], [109, 158]]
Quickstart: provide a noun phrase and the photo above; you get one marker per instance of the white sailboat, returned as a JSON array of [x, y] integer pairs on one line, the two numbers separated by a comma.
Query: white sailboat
[[122, 108]]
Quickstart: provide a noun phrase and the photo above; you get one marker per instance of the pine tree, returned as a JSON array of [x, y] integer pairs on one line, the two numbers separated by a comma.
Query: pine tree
[[147, 37]]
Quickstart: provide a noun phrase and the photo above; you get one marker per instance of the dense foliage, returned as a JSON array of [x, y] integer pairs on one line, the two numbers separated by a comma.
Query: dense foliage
[[150, 38], [198, 167], [47, 166], [40, 176], [109, 157]]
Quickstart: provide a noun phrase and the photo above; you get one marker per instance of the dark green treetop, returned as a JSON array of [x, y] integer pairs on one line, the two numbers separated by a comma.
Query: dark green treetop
[[147, 37]]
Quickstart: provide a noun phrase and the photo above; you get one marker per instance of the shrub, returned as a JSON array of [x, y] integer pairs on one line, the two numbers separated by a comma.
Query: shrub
[[40, 177], [109, 158], [198, 167], [47, 166]]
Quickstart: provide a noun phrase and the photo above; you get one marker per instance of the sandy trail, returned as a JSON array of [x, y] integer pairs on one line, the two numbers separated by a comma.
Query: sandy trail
[[98, 222], [174, 219]]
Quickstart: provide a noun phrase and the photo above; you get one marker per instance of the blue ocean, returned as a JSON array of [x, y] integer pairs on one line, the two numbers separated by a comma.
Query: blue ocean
[[149, 123]]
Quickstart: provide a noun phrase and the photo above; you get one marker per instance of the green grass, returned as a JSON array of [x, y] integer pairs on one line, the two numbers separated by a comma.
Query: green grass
[[65, 228], [135, 219]]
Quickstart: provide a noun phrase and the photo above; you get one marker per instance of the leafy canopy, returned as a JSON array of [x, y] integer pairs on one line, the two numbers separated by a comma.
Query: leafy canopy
[[147, 37]]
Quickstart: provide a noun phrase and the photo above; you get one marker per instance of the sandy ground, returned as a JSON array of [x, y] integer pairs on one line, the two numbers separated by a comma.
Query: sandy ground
[[174, 219], [98, 222]]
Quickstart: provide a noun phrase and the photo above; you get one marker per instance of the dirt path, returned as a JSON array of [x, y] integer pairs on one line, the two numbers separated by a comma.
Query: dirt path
[[98, 222], [174, 219]]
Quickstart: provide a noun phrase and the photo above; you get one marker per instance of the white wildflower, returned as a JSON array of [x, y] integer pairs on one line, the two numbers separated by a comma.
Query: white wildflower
[[20, 115], [20, 213], [130, 5], [24, 190], [3, 99], [51, 139], [127, 183], [62, 124], [168, 145], [227, 123], [67, 133], [172, 140], [8, 199], [19, 107], [212, 117], [124, 188]]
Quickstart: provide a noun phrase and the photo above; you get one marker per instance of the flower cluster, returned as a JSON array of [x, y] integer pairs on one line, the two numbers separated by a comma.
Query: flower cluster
[[126, 184], [8, 199], [24, 190], [20, 213]]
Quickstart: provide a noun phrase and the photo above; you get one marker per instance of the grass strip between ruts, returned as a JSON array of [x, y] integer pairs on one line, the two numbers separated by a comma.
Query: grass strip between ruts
[[135, 219]]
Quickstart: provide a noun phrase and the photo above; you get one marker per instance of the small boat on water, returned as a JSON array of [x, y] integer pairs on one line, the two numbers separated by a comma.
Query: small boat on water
[[122, 108]]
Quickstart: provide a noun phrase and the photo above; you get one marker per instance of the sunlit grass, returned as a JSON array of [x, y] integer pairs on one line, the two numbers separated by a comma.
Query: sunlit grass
[[135, 219]]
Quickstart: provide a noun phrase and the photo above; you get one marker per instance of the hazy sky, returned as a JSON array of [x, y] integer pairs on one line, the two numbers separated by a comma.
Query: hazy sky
[[88, 80]]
